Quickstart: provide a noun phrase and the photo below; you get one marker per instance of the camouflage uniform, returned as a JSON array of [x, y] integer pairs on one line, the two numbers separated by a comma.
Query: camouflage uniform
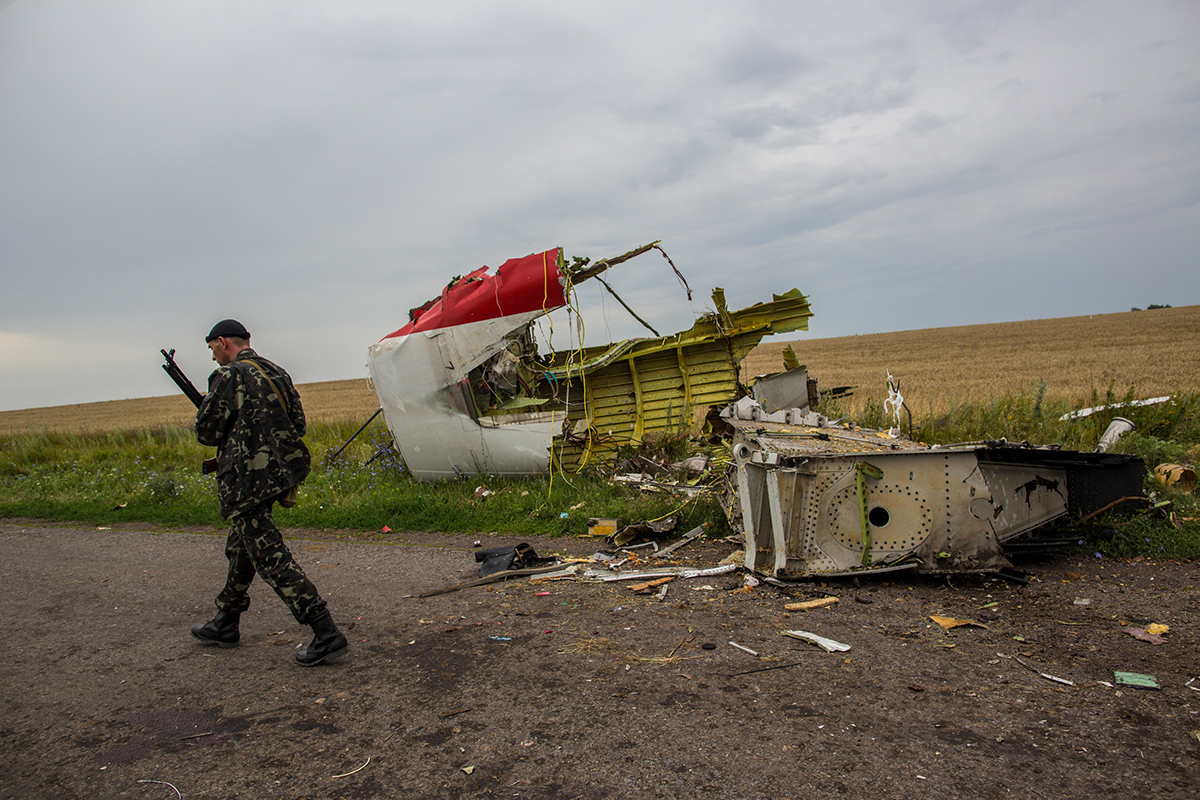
[[260, 456]]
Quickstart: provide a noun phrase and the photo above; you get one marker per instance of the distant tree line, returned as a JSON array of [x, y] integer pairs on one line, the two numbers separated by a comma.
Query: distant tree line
[[1151, 307]]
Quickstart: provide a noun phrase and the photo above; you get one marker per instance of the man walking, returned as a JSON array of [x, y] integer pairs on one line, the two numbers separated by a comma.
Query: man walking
[[252, 415]]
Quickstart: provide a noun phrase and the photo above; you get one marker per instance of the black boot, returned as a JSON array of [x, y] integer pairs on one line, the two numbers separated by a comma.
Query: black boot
[[221, 630], [327, 643]]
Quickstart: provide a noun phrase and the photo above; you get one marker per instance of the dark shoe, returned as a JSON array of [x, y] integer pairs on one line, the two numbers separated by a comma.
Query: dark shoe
[[326, 644], [221, 630]]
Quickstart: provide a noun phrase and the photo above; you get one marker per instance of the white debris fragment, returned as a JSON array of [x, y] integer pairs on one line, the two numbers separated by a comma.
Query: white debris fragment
[[829, 645]]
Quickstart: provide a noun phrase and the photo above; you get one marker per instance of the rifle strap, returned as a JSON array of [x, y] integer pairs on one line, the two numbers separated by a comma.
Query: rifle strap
[[267, 378]]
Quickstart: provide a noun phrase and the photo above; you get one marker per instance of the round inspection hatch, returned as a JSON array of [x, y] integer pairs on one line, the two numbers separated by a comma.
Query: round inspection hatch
[[900, 517]]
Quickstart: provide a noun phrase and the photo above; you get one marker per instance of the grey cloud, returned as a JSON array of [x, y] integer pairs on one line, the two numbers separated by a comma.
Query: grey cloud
[[166, 165]]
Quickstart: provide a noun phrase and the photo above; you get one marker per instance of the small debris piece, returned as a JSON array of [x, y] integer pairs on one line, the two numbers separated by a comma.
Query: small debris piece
[[951, 622], [1045, 675], [469, 769], [1137, 680], [688, 538], [1157, 628], [744, 649], [455, 711], [1082, 601], [662, 593], [1176, 475], [808, 605], [351, 772], [601, 526], [914, 687], [737, 558], [765, 669], [828, 645], [568, 572], [661, 573], [1145, 636], [641, 587], [164, 783], [708, 646]]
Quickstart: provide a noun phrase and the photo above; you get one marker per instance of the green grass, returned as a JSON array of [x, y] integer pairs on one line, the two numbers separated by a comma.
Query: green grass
[[154, 476]]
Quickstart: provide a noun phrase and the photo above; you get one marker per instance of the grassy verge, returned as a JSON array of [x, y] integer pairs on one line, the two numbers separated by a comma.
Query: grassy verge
[[153, 476]]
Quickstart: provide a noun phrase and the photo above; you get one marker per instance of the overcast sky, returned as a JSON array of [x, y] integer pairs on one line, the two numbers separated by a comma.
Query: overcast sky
[[315, 169]]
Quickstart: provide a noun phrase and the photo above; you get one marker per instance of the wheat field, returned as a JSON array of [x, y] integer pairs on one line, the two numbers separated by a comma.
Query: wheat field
[[1150, 353]]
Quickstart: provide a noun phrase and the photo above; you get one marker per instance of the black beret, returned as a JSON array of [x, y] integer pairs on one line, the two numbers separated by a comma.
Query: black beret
[[230, 329]]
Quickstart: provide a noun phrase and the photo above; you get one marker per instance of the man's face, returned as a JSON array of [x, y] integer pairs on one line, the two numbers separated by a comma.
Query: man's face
[[220, 350]]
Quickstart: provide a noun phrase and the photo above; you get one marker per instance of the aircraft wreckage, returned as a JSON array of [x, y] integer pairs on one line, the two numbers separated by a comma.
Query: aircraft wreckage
[[464, 390]]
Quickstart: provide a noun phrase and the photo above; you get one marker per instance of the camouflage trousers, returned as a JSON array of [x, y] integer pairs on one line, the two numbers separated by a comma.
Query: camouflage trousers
[[255, 545]]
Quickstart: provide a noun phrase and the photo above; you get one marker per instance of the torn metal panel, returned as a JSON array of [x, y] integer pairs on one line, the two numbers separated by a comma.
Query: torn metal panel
[[830, 501], [420, 371], [782, 390], [464, 390], [643, 388]]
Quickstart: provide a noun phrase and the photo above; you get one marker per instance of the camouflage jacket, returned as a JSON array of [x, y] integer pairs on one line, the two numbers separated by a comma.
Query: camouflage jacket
[[260, 453]]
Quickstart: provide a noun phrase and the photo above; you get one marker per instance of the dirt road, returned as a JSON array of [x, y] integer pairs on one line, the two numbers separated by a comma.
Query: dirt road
[[574, 690]]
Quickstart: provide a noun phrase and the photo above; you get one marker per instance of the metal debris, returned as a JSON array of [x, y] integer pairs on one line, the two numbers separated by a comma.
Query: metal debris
[[808, 605], [828, 645]]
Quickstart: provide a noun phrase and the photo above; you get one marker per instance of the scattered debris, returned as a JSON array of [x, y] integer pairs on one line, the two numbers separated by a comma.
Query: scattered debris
[[765, 669], [643, 529], [641, 587], [1045, 675], [808, 605], [602, 526], [1112, 434], [499, 559], [164, 783], [744, 649], [493, 578], [1137, 680], [688, 538], [1176, 475], [455, 711], [351, 772], [829, 645], [1087, 412], [736, 558], [951, 622], [682, 572], [1145, 635]]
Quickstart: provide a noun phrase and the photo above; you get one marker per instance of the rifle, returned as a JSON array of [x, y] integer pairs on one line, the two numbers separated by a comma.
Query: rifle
[[193, 394], [181, 380]]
